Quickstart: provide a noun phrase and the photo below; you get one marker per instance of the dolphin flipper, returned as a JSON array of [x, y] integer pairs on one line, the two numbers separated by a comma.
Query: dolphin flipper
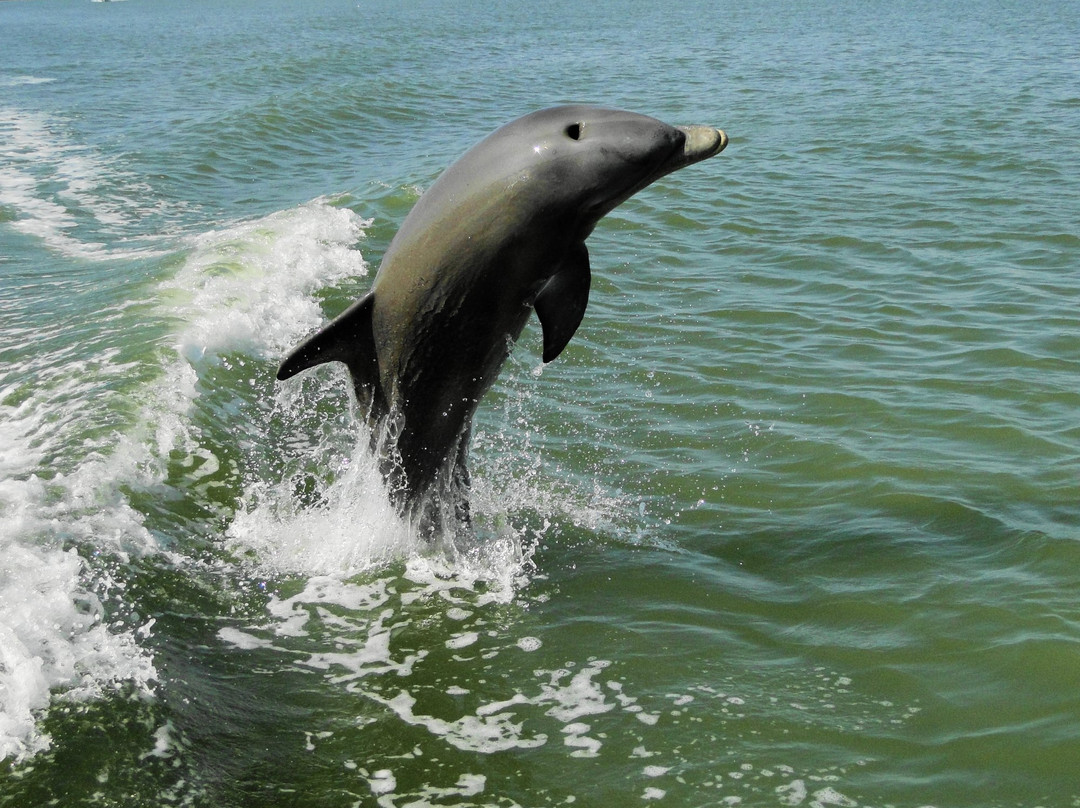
[[348, 338], [561, 302]]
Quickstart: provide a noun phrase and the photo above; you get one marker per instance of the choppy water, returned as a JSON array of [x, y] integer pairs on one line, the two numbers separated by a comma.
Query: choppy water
[[795, 519]]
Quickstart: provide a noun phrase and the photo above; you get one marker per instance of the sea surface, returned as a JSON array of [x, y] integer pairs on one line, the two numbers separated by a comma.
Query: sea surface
[[793, 521]]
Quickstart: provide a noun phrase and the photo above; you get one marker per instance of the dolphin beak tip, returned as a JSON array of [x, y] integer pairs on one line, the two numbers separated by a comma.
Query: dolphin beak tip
[[702, 142], [714, 142]]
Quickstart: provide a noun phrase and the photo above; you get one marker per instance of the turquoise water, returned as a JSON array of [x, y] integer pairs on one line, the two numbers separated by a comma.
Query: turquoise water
[[794, 520]]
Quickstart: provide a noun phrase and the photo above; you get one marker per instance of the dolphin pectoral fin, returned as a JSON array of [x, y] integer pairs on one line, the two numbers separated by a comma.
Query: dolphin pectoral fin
[[348, 338], [561, 302]]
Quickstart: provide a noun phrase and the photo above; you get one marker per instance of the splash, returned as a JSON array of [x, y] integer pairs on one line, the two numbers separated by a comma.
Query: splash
[[350, 528], [250, 287]]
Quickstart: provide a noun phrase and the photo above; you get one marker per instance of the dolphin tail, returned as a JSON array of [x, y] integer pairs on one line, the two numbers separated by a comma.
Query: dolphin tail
[[348, 339]]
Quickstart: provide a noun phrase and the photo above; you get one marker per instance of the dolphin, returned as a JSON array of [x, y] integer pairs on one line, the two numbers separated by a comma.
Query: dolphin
[[499, 234]]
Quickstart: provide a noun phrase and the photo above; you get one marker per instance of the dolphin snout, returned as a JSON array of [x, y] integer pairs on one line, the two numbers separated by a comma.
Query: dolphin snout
[[698, 143], [702, 142]]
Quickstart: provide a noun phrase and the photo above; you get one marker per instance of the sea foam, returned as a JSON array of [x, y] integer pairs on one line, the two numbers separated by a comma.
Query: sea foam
[[61, 490]]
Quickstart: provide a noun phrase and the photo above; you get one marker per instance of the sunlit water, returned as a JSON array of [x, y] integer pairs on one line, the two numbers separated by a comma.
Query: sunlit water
[[794, 519]]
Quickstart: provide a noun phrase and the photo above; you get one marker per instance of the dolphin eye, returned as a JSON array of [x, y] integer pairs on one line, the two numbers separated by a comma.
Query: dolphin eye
[[573, 131]]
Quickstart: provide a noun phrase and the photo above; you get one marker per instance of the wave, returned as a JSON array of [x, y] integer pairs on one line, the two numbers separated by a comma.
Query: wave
[[73, 198], [20, 81], [82, 445]]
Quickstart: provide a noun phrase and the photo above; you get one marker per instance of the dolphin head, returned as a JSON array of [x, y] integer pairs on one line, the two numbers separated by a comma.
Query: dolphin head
[[592, 159]]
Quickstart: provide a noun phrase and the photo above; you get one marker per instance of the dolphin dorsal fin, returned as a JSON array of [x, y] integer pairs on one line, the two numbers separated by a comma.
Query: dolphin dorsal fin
[[561, 302], [348, 338]]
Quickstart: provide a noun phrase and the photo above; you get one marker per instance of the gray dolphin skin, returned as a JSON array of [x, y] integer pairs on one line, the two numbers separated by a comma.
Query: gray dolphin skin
[[500, 233]]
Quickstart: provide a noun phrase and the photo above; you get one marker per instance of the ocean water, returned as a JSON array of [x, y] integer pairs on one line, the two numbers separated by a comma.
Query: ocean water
[[794, 520]]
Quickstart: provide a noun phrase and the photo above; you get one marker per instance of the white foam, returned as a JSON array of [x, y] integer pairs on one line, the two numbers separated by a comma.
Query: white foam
[[462, 640], [53, 633], [353, 528], [575, 710], [492, 571], [579, 697], [53, 639], [491, 729], [793, 793], [382, 782], [577, 739], [243, 640], [831, 797], [366, 616], [383, 785], [249, 287], [20, 452], [165, 745]]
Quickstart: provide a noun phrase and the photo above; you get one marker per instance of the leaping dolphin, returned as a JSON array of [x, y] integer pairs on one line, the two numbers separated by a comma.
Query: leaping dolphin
[[499, 234]]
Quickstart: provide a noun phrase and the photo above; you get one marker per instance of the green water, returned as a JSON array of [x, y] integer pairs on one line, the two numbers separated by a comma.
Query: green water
[[793, 520]]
